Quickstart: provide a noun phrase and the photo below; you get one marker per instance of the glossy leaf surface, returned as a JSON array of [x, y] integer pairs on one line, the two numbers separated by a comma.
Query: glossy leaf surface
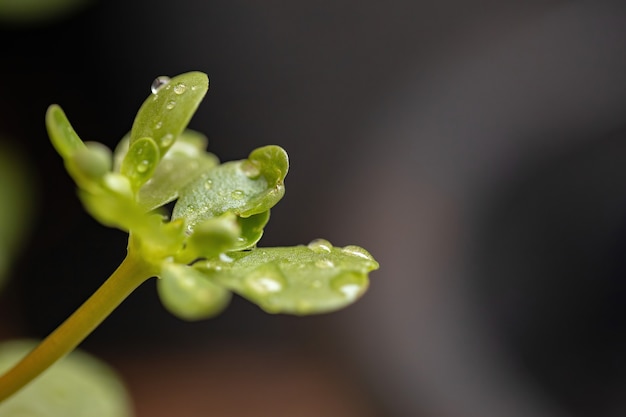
[[165, 114], [317, 278], [245, 188]]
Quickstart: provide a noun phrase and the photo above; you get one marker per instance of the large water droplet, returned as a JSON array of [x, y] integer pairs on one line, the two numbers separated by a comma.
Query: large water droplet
[[265, 280], [158, 83], [237, 194], [358, 252], [167, 140], [351, 285], [250, 169], [180, 88], [170, 105], [320, 246], [208, 184]]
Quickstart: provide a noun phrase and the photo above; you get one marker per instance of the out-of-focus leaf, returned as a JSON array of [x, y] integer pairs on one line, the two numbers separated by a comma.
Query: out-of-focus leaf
[[190, 294], [78, 385]]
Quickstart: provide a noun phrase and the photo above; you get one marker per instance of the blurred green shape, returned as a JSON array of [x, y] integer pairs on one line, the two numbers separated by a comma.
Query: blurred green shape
[[22, 12], [79, 385], [16, 210]]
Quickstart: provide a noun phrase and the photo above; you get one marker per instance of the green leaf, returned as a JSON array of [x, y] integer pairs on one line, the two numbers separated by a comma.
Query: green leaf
[[317, 278], [185, 161], [190, 294], [76, 386], [165, 114], [247, 187], [251, 230], [211, 237], [62, 134], [140, 162]]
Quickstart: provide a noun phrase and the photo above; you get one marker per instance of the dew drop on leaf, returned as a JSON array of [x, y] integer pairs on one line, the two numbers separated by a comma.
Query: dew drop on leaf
[[143, 166], [158, 125], [167, 140], [237, 194], [324, 263], [358, 252], [349, 284], [158, 83], [170, 105], [180, 88], [250, 169], [208, 184], [265, 280], [320, 246]]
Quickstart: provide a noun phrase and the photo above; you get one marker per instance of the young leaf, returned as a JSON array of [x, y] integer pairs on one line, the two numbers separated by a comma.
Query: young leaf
[[62, 134], [317, 278], [165, 114], [247, 187], [190, 294]]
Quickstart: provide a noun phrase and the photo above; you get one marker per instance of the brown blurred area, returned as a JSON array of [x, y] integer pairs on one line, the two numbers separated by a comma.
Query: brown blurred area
[[476, 148]]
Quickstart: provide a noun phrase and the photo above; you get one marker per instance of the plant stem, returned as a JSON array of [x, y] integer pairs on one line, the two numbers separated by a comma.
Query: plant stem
[[131, 273]]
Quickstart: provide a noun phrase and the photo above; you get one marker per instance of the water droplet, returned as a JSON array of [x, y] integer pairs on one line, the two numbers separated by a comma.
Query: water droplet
[[170, 105], [225, 258], [237, 194], [167, 140], [358, 252], [320, 246], [158, 83], [324, 263], [143, 166], [349, 284], [208, 184], [250, 169], [158, 125], [180, 88], [265, 280]]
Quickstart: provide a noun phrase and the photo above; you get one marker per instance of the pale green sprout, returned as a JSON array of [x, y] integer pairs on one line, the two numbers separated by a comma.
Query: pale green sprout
[[207, 247]]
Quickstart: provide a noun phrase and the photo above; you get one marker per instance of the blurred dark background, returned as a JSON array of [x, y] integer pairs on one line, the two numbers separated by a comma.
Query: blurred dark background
[[476, 148]]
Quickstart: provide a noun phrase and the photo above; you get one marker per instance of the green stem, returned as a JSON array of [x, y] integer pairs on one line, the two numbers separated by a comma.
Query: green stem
[[131, 273]]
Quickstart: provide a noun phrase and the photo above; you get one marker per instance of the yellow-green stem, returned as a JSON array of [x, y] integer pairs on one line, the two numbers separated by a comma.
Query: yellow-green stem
[[131, 273]]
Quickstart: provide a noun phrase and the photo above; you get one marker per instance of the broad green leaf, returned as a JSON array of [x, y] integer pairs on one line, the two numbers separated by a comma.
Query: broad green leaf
[[247, 187], [78, 385], [62, 134], [317, 278], [190, 294], [166, 112]]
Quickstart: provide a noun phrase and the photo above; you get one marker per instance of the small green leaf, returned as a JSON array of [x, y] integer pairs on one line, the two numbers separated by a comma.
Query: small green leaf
[[165, 114], [211, 237], [140, 161], [248, 187], [190, 294], [251, 230], [76, 386], [317, 278], [62, 134], [185, 161]]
